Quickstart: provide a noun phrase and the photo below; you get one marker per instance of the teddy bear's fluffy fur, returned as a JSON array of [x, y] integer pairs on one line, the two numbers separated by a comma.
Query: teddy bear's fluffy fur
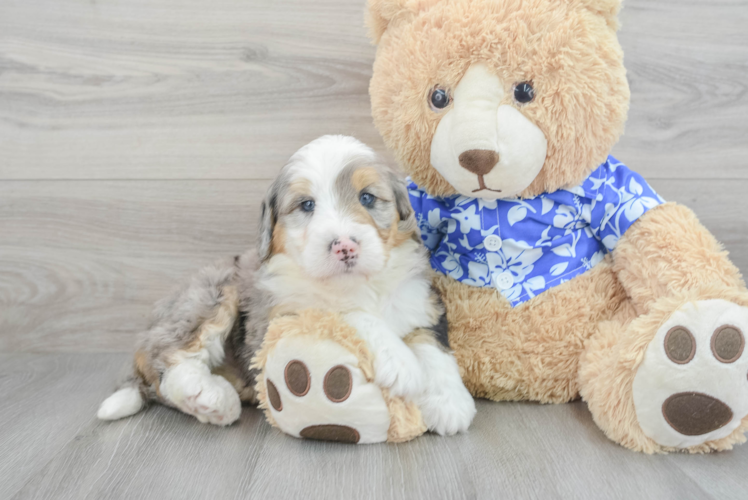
[[571, 55], [588, 336]]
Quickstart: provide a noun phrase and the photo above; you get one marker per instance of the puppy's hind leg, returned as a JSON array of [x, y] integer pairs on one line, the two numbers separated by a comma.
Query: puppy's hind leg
[[446, 405], [176, 355], [190, 386], [188, 382]]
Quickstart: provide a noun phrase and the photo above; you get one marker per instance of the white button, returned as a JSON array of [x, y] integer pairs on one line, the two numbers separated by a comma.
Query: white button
[[492, 243], [504, 281]]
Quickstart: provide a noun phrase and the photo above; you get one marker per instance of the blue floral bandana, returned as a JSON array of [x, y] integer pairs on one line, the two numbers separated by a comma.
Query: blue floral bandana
[[524, 247]]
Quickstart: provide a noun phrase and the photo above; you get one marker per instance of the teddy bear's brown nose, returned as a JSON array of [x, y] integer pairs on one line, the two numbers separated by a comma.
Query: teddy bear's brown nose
[[479, 161]]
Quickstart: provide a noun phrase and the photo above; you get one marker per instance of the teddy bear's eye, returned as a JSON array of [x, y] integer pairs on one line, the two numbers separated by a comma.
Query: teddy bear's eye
[[439, 98], [524, 93]]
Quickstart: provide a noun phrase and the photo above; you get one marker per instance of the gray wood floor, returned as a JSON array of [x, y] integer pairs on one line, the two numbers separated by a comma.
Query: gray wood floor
[[53, 447], [136, 138]]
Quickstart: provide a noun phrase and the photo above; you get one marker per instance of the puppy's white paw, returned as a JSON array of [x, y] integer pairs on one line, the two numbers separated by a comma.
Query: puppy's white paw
[[448, 410], [217, 402], [395, 364], [195, 391], [446, 405], [397, 368]]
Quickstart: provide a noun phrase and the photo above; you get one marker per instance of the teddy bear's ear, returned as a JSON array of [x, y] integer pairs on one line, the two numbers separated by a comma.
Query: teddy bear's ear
[[382, 13], [608, 9]]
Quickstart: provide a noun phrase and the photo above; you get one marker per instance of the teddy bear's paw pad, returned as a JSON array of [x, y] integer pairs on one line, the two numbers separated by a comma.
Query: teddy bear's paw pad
[[694, 414], [339, 433], [316, 390], [692, 386]]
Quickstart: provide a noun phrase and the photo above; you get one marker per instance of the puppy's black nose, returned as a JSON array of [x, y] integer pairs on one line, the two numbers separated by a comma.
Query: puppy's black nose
[[479, 161]]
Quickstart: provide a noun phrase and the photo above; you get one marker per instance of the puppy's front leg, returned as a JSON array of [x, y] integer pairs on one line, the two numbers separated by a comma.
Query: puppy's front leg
[[446, 405], [395, 364]]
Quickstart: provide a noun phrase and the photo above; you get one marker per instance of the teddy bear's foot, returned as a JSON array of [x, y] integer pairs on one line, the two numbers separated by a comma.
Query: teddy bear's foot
[[317, 390], [692, 386]]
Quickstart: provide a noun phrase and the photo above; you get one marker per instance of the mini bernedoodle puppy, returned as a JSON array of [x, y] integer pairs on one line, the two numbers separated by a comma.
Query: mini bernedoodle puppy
[[337, 233]]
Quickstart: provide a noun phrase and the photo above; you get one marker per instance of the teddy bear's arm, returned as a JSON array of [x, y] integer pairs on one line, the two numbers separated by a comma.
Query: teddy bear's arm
[[669, 250]]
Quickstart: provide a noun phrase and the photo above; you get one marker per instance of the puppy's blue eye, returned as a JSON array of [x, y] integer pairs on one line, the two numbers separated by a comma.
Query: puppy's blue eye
[[308, 206], [366, 199]]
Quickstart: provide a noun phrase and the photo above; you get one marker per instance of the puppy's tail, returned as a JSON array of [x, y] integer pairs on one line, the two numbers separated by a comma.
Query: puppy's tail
[[127, 400]]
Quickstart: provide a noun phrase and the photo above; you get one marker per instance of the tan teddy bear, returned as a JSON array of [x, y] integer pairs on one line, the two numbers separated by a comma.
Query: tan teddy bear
[[562, 271]]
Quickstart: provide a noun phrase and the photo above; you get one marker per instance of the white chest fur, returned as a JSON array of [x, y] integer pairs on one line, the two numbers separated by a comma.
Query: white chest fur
[[399, 294]]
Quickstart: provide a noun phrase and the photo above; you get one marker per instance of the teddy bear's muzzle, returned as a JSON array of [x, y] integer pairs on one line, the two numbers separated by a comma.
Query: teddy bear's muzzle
[[484, 145]]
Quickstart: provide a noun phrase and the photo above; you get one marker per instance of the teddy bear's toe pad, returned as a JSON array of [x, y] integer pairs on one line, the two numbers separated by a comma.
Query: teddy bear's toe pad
[[692, 386], [339, 433], [316, 390], [694, 414]]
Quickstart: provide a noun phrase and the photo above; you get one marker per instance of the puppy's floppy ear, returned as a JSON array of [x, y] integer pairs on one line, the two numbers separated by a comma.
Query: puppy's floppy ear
[[382, 13], [268, 219], [402, 201]]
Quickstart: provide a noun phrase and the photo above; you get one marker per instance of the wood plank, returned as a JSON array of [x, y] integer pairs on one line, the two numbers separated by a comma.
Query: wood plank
[[173, 89], [513, 450], [149, 90], [47, 402], [82, 262], [687, 64]]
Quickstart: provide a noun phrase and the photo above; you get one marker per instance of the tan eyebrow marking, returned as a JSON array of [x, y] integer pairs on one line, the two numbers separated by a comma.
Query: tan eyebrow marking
[[364, 177], [300, 187], [296, 190]]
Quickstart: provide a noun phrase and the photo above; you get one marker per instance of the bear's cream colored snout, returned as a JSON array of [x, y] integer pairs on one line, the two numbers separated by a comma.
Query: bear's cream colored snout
[[482, 147]]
